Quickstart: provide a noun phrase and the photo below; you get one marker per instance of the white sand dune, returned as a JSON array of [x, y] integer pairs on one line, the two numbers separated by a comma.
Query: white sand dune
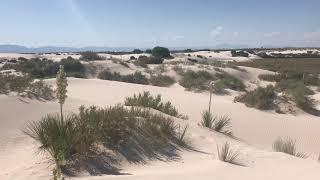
[[222, 56], [256, 129]]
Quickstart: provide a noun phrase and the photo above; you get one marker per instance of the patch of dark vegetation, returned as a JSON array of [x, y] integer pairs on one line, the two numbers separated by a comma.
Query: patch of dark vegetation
[[91, 56], [44, 68], [150, 60], [137, 77], [145, 99], [260, 98], [235, 53], [220, 124], [80, 141], [25, 86], [200, 80], [230, 82], [162, 80], [161, 52]]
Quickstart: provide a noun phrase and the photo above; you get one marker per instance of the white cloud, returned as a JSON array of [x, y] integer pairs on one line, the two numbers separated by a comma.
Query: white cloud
[[216, 32], [271, 34]]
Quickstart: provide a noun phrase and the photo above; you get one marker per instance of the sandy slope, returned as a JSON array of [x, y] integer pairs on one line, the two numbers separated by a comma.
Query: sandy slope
[[256, 128]]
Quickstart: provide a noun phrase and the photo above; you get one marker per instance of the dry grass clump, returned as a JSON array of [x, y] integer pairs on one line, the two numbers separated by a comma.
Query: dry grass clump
[[192, 80], [145, 99], [228, 155], [220, 124], [287, 146]]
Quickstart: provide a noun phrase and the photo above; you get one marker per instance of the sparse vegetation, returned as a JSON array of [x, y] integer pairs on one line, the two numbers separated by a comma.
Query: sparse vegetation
[[230, 82], [192, 80], [220, 124], [24, 85], [91, 56], [228, 155], [137, 77], [287, 146], [145, 99], [67, 140], [150, 60], [44, 68], [162, 80], [260, 98]]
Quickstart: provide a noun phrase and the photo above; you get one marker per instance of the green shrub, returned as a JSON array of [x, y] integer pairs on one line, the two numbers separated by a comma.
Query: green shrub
[[192, 80], [90, 56], [162, 80], [150, 59], [137, 77], [43, 68], [69, 140], [287, 146], [145, 99], [260, 98], [25, 85], [160, 52], [271, 77], [231, 82], [228, 155]]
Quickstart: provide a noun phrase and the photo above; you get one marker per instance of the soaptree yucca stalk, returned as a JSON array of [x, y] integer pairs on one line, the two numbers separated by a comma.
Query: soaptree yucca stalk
[[61, 91], [211, 86]]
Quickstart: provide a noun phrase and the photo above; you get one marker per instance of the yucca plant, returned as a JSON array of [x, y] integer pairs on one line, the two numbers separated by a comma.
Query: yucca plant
[[226, 154], [223, 125], [56, 136], [181, 136], [207, 120], [287, 146]]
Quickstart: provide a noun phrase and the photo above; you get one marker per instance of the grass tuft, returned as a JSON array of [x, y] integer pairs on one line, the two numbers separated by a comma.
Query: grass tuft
[[228, 155], [287, 146]]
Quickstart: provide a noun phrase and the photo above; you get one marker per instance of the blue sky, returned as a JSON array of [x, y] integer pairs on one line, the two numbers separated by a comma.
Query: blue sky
[[172, 23]]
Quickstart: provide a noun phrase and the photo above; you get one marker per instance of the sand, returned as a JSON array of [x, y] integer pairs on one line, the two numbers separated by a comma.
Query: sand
[[256, 130]]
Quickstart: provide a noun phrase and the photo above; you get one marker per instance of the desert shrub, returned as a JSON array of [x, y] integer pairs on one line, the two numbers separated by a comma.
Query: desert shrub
[[161, 52], [287, 146], [192, 80], [150, 60], [235, 53], [124, 64], [25, 85], [148, 51], [145, 99], [162, 80], [178, 69], [228, 155], [271, 77], [137, 51], [132, 58], [219, 87], [44, 68], [260, 98], [137, 77], [90, 56], [114, 127], [231, 82], [140, 63], [298, 92]]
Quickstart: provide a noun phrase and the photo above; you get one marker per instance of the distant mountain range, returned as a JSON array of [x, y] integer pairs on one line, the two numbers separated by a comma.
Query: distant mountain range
[[8, 48]]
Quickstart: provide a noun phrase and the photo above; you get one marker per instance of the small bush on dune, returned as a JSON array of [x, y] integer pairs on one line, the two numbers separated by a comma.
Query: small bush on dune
[[207, 120], [271, 77], [260, 98], [161, 52], [114, 127], [149, 60], [228, 155], [287, 146], [192, 80], [145, 99], [231, 82], [90, 56], [137, 77], [162, 80]]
